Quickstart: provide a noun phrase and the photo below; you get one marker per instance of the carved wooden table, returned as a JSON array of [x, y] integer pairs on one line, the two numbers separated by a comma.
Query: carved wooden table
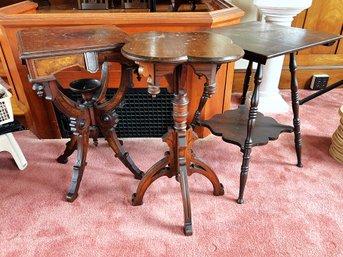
[[173, 55], [248, 128], [47, 51]]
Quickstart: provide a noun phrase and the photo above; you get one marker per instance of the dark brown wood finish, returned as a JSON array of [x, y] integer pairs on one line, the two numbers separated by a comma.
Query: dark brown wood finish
[[262, 41], [69, 40], [9, 2], [265, 128], [49, 51], [174, 55], [191, 47]]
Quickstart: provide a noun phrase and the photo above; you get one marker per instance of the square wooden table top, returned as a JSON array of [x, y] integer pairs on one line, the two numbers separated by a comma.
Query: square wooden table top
[[262, 41], [59, 41]]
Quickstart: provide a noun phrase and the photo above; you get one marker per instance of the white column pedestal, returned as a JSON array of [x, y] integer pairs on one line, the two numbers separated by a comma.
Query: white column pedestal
[[279, 12]]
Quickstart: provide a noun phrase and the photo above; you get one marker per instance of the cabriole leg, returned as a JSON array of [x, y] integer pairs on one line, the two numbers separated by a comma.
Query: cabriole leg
[[124, 157], [71, 146], [79, 167]]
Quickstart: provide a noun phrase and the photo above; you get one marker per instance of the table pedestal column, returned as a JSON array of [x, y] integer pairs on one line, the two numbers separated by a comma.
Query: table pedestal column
[[180, 161], [282, 13]]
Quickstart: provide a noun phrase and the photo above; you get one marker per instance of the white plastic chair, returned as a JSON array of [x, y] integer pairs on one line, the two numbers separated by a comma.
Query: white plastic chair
[[7, 141]]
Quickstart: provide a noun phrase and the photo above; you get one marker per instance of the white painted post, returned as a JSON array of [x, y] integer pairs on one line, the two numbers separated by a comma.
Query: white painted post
[[279, 12]]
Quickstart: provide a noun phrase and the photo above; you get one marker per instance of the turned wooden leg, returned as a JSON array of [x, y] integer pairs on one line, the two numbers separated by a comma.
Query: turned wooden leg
[[248, 140], [200, 167], [246, 82], [124, 157], [158, 170], [180, 114], [71, 146], [209, 90], [82, 147], [295, 107]]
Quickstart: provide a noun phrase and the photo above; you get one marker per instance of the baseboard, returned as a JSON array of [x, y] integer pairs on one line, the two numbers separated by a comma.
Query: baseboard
[[304, 76]]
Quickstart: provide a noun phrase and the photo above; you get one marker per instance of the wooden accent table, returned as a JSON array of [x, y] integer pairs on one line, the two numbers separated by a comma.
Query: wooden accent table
[[47, 51], [173, 55], [248, 128]]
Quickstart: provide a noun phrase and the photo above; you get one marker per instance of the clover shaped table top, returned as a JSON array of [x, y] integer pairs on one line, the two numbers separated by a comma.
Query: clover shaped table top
[[192, 47]]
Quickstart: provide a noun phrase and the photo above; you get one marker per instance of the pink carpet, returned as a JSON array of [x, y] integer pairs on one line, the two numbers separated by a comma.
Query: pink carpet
[[288, 211]]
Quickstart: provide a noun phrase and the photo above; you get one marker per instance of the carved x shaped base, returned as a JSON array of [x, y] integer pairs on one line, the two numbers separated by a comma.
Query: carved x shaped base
[[172, 165]]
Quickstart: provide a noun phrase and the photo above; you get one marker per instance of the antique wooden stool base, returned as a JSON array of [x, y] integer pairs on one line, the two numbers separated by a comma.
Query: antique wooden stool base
[[168, 166], [47, 52], [94, 117]]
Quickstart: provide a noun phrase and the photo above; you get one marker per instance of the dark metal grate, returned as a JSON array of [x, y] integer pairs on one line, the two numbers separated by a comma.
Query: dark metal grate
[[10, 127], [140, 115]]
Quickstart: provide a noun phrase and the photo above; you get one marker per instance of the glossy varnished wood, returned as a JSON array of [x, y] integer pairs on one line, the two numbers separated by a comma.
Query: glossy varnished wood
[[192, 47], [262, 41], [68, 40], [49, 51], [174, 56]]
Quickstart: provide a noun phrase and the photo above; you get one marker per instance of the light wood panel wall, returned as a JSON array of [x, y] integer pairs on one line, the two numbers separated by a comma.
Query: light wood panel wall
[[325, 16]]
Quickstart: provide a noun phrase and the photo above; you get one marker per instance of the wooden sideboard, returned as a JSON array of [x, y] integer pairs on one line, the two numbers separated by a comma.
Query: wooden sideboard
[[39, 113]]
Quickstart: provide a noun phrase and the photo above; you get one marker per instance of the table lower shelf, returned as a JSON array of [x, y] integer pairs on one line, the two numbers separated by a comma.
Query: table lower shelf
[[232, 127]]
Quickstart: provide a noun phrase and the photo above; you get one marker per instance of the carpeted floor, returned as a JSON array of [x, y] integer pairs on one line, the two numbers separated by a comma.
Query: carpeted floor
[[289, 211]]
